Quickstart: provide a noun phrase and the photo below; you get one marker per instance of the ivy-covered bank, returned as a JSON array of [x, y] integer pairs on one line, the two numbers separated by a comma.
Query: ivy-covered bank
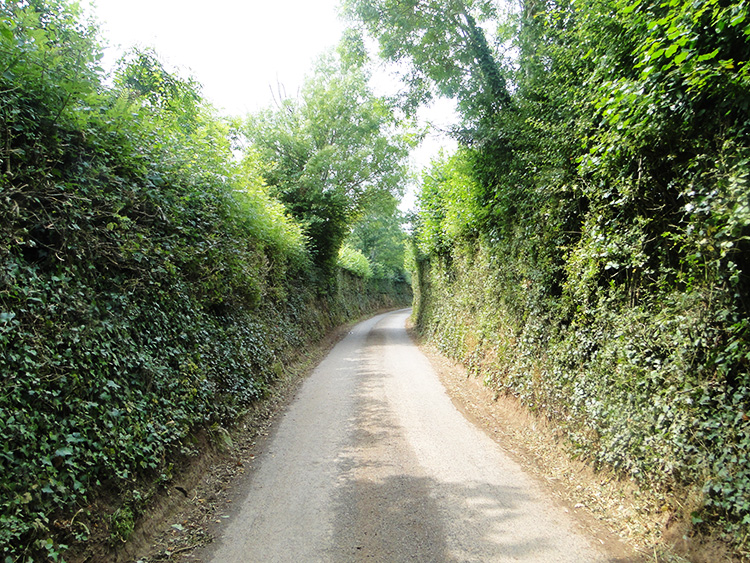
[[150, 287], [635, 388], [586, 249]]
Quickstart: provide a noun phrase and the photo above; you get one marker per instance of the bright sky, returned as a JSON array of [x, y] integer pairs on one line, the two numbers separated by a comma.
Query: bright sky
[[239, 50]]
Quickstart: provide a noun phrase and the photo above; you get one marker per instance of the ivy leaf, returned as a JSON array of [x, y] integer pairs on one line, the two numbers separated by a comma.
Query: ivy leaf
[[6, 317], [630, 9], [708, 56], [738, 19], [681, 57]]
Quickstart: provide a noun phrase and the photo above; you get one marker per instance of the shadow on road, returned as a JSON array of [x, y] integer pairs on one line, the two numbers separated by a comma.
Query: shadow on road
[[387, 509]]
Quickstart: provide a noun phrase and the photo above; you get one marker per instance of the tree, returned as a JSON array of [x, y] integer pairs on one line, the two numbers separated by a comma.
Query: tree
[[145, 77], [380, 237], [449, 203], [330, 153], [442, 46]]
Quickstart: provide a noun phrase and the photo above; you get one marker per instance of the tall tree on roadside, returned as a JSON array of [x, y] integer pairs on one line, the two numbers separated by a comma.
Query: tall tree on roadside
[[443, 48], [379, 235], [330, 152]]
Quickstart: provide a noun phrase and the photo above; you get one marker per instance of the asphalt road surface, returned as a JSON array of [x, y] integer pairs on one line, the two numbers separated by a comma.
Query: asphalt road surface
[[372, 462]]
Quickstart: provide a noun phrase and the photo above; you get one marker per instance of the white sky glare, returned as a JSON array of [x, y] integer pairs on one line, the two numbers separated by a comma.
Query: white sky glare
[[238, 50]]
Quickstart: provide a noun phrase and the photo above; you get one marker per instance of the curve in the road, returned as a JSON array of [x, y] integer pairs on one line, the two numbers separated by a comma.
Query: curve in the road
[[373, 462]]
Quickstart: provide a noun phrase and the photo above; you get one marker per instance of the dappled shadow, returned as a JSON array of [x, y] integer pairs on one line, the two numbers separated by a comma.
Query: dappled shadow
[[388, 509], [402, 518]]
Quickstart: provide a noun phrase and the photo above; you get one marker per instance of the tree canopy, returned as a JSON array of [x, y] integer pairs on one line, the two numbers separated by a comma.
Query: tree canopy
[[330, 153], [380, 236], [441, 46]]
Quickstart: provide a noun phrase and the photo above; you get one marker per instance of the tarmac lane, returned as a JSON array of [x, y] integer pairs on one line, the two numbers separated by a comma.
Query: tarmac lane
[[373, 462]]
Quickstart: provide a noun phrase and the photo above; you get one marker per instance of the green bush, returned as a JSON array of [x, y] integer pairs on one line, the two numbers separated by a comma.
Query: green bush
[[354, 261], [149, 285], [604, 280]]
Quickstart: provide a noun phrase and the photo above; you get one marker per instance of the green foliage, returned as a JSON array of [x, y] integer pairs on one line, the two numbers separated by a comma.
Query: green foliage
[[267, 217], [39, 40], [143, 76], [354, 261], [330, 153], [449, 204], [122, 524], [149, 284], [440, 47], [379, 235], [587, 251]]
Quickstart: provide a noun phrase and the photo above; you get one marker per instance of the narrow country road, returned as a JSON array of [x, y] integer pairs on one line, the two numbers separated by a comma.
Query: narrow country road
[[373, 462]]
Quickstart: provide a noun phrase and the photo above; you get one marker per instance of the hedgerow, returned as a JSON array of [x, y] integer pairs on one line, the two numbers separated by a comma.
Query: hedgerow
[[601, 273], [354, 261], [149, 285]]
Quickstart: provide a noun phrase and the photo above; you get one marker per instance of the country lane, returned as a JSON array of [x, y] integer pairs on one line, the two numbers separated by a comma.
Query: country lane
[[372, 462]]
